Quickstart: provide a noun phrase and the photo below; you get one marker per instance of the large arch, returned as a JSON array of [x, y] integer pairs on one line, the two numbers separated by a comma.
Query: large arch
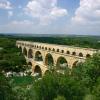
[[30, 53], [75, 64], [61, 63], [47, 72], [38, 71], [38, 56], [49, 61], [25, 51]]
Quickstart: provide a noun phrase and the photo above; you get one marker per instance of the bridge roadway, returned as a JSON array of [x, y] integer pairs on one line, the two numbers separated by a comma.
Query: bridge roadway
[[41, 56]]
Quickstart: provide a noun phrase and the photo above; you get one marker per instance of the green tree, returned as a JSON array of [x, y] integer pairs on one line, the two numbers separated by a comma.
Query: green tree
[[60, 98], [56, 84], [6, 92]]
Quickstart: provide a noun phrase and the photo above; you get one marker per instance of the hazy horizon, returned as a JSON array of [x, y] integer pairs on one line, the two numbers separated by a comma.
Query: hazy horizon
[[44, 35]]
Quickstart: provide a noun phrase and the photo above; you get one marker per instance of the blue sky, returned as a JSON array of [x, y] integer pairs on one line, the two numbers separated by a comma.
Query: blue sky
[[80, 17]]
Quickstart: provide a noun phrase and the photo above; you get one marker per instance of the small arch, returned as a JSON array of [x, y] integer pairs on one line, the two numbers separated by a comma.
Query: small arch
[[42, 47], [29, 65], [38, 56], [53, 49], [57, 50], [45, 48], [37, 46], [80, 55], [68, 52], [74, 53], [62, 51], [38, 71], [49, 49], [49, 60], [25, 51], [88, 56], [32, 45], [61, 63], [30, 53]]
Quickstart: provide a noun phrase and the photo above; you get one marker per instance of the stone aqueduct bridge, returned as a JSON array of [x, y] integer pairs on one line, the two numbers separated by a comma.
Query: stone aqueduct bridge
[[41, 56]]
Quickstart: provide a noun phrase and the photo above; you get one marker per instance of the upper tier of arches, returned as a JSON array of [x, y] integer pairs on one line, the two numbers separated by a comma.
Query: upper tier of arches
[[60, 49]]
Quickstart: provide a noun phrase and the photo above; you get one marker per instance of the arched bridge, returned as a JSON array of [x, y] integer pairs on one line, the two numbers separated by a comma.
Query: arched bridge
[[42, 56]]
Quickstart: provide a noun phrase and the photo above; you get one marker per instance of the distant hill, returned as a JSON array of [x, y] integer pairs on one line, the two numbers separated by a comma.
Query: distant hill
[[46, 35]]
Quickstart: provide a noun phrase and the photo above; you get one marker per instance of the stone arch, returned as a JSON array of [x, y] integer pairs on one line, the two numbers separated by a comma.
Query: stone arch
[[80, 54], [75, 64], [61, 63], [47, 72], [74, 53], [30, 53], [45, 48], [49, 49], [25, 51], [42, 47], [57, 50], [32, 45], [62, 51], [53, 49], [20, 48], [38, 56], [29, 65], [49, 61], [88, 56], [38, 71], [37, 46], [68, 52]]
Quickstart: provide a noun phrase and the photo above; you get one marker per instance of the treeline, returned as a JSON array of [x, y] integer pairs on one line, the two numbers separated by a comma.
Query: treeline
[[87, 41]]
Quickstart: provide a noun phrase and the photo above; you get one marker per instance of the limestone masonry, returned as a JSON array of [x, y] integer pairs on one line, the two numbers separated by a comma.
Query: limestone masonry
[[41, 55]]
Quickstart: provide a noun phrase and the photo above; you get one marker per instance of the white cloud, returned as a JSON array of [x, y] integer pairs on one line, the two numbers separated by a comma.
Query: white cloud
[[4, 4], [88, 12], [19, 23], [10, 13], [58, 12], [28, 26], [24, 26], [44, 10]]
